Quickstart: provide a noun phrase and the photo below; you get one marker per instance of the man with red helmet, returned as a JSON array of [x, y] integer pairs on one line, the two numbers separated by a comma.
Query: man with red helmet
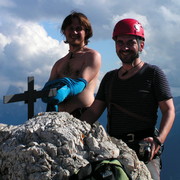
[[132, 94]]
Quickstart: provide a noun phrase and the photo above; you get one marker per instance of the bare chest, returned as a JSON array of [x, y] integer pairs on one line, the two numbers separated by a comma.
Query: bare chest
[[72, 67]]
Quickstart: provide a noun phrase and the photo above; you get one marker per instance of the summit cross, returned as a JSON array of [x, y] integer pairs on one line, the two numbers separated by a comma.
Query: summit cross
[[29, 96]]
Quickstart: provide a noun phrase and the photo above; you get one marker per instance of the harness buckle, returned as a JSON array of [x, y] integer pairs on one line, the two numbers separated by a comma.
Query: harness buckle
[[131, 136]]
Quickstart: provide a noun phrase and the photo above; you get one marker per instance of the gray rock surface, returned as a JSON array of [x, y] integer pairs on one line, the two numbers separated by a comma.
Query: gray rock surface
[[52, 146]]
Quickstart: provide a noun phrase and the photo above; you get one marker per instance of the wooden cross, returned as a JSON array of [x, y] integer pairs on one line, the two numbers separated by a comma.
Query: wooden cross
[[29, 96]]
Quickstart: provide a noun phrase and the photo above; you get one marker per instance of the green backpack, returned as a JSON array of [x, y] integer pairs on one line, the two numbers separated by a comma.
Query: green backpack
[[110, 169]]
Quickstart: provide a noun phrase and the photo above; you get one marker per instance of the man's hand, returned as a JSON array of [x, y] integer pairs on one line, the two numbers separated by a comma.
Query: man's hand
[[154, 146]]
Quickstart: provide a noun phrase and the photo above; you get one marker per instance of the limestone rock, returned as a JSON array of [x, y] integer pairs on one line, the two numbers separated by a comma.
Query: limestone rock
[[52, 146]]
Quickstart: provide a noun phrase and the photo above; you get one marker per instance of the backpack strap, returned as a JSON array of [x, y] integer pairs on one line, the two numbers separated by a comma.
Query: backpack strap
[[110, 169], [83, 173]]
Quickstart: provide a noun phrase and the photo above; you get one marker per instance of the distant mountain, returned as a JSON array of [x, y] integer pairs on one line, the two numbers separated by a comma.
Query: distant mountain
[[16, 113], [171, 158]]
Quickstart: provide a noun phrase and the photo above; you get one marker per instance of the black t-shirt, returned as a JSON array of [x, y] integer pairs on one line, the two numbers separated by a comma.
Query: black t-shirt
[[139, 94]]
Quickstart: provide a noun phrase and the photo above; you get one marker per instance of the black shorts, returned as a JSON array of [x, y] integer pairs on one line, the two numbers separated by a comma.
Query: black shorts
[[78, 112]]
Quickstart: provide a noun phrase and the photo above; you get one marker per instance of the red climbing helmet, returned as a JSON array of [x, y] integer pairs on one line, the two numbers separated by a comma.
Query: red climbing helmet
[[128, 27]]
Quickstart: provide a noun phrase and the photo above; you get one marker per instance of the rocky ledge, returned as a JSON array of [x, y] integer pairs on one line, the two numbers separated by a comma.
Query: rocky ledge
[[52, 146]]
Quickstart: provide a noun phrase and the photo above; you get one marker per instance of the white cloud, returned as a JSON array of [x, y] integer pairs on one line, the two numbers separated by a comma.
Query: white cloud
[[169, 15], [7, 3], [27, 51]]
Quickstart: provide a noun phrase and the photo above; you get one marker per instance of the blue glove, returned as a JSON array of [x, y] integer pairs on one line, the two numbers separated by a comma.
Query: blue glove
[[76, 85], [61, 95], [49, 85], [67, 87]]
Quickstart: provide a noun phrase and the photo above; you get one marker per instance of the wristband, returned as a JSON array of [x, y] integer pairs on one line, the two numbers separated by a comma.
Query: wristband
[[157, 141]]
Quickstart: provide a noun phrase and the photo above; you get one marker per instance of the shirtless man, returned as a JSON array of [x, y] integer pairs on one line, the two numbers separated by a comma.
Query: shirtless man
[[80, 62]]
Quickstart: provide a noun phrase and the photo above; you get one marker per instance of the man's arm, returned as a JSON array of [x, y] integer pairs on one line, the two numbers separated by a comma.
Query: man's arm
[[167, 120], [93, 113], [168, 116]]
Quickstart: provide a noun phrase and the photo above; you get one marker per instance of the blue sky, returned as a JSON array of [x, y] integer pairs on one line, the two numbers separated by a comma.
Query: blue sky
[[30, 39]]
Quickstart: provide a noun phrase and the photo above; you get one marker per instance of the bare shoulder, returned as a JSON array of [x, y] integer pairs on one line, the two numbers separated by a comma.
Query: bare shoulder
[[61, 60], [93, 55], [92, 51]]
